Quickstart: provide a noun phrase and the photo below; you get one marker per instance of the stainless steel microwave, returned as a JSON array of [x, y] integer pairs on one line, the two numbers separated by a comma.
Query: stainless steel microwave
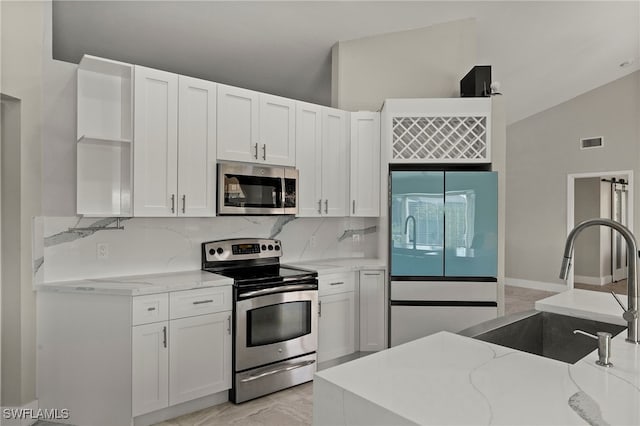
[[248, 189]]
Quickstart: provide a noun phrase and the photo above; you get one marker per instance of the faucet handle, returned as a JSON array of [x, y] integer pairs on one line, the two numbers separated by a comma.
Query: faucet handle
[[629, 314]]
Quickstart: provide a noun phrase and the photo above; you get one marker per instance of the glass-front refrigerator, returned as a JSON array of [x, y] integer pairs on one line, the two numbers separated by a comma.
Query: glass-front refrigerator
[[443, 250]]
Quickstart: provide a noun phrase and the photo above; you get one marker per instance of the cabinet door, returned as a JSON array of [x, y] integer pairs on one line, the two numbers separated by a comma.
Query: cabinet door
[[309, 158], [471, 224], [335, 162], [372, 311], [277, 130], [336, 326], [150, 367], [238, 124], [365, 164], [200, 358], [196, 147], [155, 146]]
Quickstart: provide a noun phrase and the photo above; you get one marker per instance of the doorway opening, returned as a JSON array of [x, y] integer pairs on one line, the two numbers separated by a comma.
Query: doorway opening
[[600, 257]]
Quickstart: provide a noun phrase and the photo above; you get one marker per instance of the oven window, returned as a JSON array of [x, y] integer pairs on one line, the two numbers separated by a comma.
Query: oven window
[[252, 191], [278, 323]]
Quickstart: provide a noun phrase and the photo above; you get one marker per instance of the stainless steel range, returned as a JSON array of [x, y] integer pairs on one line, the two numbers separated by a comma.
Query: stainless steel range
[[275, 311]]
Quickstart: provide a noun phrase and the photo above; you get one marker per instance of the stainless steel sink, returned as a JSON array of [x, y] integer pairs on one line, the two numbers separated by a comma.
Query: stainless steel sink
[[542, 333]]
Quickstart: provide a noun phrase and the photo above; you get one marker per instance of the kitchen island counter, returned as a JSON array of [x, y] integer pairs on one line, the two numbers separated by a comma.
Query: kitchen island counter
[[450, 379]]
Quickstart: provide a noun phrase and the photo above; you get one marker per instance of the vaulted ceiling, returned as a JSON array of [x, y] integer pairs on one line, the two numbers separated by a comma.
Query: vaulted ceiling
[[542, 52]]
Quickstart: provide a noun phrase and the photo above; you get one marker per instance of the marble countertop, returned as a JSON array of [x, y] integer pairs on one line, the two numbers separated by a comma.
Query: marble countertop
[[330, 266], [447, 379], [136, 285], [594, 305]]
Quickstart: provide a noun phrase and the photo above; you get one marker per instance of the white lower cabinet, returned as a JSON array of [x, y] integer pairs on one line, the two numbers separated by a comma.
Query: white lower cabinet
[[186, 357], [149, 369], [337, 311], [373, 333], [199, 356]]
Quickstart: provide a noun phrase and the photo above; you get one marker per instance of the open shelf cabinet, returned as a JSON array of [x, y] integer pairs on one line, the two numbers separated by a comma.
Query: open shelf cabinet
[[104, 135]]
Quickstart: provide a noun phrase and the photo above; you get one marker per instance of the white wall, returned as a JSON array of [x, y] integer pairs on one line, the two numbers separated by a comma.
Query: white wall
[[22, 47], [421, 63], [543, 149]]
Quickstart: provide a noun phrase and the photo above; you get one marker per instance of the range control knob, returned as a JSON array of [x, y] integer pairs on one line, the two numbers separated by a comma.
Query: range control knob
[[277, 248], [270, 247], [219, 250], [264, 247], [212, 252]]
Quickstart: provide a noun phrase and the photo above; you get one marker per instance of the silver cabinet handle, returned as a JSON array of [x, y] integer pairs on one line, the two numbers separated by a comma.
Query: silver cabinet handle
[[277, 370], [164, 336], [229, 324], [264, 151], [337, 283], [151, 309], [256, 146], [200, 302], [173, 203], [184, 202], [372, 274], [319, 308], [320, 206], [354, 206], [326, 206]]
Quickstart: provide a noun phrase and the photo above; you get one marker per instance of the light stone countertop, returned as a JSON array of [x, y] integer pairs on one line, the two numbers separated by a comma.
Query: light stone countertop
[[579, 303], [447, 379], [336, 265], [137, 285]]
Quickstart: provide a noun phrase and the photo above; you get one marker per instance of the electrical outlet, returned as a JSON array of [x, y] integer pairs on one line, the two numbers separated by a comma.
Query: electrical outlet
[[355, 239], [312, 241], [102, 251]]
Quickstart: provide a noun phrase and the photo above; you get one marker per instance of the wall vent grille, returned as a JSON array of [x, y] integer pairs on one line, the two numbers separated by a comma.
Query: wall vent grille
[[588, 143], [440, 138]]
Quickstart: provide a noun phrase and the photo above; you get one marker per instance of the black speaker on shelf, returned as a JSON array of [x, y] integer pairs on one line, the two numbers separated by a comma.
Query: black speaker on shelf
[[477, 82]]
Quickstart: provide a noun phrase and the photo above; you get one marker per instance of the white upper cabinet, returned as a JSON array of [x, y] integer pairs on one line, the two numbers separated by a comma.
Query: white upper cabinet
[[155, 148], [447, 130], [104, 134], [365, 164], [322, 155], [277, 130], [255, 127], [196, 147], [335, 162], [309, 158], [174, 145]]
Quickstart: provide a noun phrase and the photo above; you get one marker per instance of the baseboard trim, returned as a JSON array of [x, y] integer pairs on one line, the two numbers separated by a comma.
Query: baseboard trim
[[28, 415], [592, 280], [536, 285]]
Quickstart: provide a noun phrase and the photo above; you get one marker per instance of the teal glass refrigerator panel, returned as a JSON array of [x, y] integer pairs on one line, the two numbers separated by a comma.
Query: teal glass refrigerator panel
[[417, 223], [471, 224]]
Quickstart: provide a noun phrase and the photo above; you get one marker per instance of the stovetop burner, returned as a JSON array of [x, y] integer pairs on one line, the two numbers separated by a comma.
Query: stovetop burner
[[249, 275]]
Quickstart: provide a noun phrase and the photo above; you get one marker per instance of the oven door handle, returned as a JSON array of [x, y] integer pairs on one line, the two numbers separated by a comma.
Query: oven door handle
[[280, 289], [278, 370]]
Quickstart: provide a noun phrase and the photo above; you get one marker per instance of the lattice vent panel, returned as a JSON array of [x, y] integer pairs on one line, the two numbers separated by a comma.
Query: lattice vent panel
[[439, 138]]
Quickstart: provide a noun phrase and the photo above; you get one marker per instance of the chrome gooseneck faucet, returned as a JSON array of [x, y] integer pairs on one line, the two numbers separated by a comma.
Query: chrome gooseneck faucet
[[406, 227], [631, 312]]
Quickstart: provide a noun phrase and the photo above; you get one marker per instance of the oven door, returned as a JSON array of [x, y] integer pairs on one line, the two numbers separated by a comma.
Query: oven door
[[274, 327]]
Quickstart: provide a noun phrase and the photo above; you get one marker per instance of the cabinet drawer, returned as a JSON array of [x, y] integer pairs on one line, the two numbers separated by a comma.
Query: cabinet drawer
[[202, 301], [336, 283], [150, 308]]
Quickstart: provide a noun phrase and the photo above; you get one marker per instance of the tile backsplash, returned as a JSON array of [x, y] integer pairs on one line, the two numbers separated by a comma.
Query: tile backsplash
[[154, 245]]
